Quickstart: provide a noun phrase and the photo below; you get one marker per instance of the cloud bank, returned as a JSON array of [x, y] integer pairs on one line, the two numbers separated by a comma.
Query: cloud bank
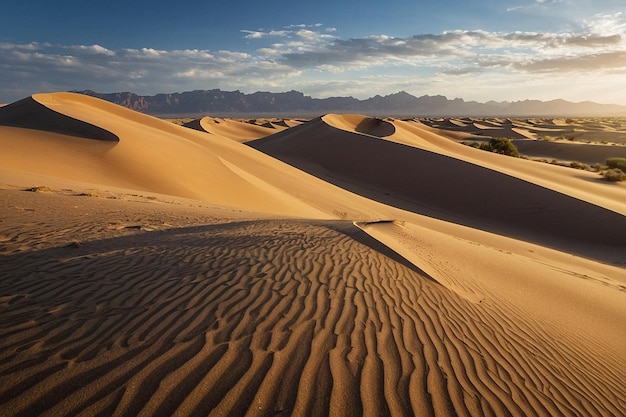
[[315, 60]]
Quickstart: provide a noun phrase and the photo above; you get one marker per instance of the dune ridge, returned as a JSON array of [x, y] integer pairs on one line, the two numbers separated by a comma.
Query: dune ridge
[[240, 131], [444, 187], [179, 273], [232, 129], [146, 146], [584, 140], [29, 113]]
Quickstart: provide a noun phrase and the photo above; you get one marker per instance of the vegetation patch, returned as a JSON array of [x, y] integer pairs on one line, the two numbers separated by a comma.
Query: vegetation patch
[[617, 163], [499, 145], [614, 175], [39, 189], [580, 165]]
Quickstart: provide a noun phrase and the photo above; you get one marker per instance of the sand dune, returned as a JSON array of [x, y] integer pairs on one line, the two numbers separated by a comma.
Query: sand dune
[[237, 130], [151, 155], [444, 187], [175, 272], [29, 113], [584, 140]]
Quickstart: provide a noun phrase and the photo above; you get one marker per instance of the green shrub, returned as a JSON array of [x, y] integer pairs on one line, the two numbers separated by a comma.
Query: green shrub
[[579, 165], [597, 167], [617, 163], [503, 146], [614, 175]]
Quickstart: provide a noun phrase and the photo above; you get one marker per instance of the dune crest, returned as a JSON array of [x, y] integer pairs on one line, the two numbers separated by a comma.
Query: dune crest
[[360, 124], [236, 130], [31, 114], [442, 185]]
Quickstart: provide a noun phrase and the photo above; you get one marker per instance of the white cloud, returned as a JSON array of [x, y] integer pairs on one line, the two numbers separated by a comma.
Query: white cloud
[[606, 24], [259, 34], [94, 49], [315, 60]]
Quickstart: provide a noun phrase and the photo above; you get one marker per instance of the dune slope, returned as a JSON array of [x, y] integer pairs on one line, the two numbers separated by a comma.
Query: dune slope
[[445, 187], [233, 129], [151, 155], [29, 113]]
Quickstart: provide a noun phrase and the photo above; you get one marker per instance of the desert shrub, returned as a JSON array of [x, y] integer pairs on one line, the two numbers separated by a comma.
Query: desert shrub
[[503, 146], [614, 175], [579, 165], [617, 163], [39, 189], [597, 167]]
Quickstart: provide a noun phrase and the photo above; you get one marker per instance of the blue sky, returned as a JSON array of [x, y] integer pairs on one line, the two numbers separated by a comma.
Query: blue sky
[[473, 49]]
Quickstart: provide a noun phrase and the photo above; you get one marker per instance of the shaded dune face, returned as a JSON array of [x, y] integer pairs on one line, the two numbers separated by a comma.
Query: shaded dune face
[[443, 187], [274, 318], [195, 124], [375, 127], [237, 130], [581, 152], [29, 113]]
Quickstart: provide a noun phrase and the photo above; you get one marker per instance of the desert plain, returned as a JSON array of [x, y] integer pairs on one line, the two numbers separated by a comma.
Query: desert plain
[[343, 265]]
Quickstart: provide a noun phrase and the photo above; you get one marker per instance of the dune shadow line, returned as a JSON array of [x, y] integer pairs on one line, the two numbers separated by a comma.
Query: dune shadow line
[[449, 189], [30, 114]]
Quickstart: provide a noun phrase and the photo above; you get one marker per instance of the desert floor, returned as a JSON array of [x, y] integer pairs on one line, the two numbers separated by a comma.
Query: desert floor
[[343, 265]]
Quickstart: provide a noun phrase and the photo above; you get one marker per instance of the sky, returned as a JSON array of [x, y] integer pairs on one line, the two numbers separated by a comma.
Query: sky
[[482, 50]]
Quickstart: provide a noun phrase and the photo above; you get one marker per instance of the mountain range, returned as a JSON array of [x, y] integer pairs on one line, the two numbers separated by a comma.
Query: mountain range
[[294, 103]]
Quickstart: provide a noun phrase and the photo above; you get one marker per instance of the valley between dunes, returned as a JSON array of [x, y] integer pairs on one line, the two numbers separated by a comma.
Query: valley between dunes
[[341, 266]]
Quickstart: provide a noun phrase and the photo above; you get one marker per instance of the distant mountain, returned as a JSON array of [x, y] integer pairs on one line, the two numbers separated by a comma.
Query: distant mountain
[[294, 103]]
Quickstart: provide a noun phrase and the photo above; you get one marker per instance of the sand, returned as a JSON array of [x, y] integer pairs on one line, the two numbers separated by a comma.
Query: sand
[[342, 266], [586, 140], [241, 130]]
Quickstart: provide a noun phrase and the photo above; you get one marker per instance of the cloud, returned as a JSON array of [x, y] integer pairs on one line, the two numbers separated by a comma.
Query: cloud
[[144, 70], [606, 23], [466, 46], [259, 34], [584, 63], [533, 4], [314, 57], [93, 49]]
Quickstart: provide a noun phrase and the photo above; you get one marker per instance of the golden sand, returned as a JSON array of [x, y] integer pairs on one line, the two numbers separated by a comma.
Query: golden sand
[[341, 266]]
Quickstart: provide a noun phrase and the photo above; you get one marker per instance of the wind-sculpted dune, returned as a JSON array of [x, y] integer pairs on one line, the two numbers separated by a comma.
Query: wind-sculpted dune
[[380, 270], [31, 114], [443, 186], [587, 140], [240, 131]]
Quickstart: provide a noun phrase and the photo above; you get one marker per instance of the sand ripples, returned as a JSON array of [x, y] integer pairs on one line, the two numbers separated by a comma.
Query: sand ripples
[[273, 318]]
